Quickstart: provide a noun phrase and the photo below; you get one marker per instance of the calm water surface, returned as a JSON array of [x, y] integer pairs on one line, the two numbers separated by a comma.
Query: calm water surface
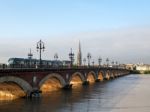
[[126, 94]]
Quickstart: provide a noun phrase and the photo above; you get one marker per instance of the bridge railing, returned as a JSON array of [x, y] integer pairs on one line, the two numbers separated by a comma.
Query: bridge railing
[[58, 69]]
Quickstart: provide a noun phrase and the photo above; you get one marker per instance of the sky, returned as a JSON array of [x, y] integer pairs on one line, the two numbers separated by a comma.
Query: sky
[[114, 29]]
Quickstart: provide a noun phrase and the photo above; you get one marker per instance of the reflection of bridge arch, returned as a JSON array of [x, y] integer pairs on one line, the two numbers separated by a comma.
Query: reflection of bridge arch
[[101, 75], [77, 78], [91, 76], [55, 77], [24, 85]]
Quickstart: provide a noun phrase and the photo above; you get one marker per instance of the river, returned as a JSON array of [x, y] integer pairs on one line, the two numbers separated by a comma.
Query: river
[[125, 94]]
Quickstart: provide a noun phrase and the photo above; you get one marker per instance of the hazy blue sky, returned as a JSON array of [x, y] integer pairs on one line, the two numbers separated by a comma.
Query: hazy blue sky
[[118, 29]]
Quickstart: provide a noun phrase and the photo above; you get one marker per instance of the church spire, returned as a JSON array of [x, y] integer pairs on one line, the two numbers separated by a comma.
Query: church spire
[[79, 56]]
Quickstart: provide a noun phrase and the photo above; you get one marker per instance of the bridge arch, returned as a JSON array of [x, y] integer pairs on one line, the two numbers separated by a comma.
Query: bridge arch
[[24, 85], [76, 78], [119, 73], [101, 75], [112, 74], [107, 74], [91, 76], [12, 87], [115, 73], [48, 79]]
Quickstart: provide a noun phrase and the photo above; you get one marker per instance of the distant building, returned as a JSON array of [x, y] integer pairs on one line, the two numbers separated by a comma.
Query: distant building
[[130, 66], [79, 56], [140, 67], [143, 67]]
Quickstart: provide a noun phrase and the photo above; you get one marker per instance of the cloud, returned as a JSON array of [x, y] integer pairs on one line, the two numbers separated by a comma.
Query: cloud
[[126, 45]]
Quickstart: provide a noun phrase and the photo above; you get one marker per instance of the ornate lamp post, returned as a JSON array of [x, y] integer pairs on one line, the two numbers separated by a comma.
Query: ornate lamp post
[[30, 58], [107, 61], [40, 47], [84, 61], [71, 56], [112, 63], [116, 64], [93, 63], [99, 61], [56, 56], [89, 58]]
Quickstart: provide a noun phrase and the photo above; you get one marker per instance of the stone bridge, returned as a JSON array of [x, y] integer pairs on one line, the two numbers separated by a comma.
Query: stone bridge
[[32, 81]]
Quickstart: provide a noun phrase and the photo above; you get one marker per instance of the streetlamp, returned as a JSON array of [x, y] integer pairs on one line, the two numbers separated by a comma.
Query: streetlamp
[[99, 61], [56, 56], [40, 47], [112, 63], [88, 57], [84, 61], [93, 63], [116, 64], [30, 58], [107, 61], [71, 56]]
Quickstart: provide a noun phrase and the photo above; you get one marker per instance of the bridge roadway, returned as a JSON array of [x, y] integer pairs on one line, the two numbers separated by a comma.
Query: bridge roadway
[[32, 80]]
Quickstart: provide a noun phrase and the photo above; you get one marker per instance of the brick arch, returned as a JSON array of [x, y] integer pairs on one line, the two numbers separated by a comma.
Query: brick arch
[[115, 73], [25, 86], [77, 74], [112, 74], [53, 75], [93, 74], [107, 74], [101, 75], [119, 73]]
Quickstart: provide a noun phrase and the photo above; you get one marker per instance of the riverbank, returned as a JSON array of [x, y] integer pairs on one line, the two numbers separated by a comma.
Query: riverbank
[[140, 72]]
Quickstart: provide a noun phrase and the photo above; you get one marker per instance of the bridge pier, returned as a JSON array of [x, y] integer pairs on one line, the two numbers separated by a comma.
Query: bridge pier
[[85, 83], [34, 94], [97, 80], [112, 77], [68, 86], [115, 76], [106, 79]]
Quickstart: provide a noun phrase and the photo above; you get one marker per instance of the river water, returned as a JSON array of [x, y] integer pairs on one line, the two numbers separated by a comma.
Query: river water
[[125, 94]]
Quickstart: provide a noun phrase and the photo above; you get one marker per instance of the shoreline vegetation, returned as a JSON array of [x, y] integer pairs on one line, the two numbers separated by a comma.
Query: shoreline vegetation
[[140, 72]]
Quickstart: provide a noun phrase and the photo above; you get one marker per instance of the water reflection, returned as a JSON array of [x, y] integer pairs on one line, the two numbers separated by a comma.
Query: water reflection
[[119, 95]]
